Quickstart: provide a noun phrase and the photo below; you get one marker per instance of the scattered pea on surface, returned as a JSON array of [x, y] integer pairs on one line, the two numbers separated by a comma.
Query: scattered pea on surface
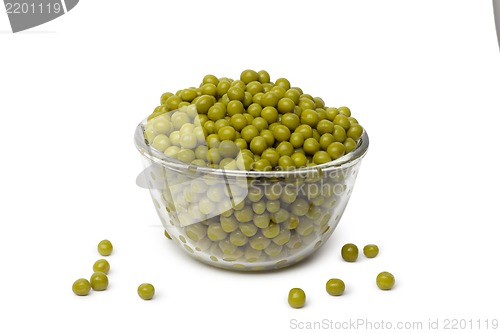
[[81, 287], [99, 281], [350, 252], [146, 291], [296, 298], [101, 265], [335, 287], [385, 281], [105, 247], [370, 250]]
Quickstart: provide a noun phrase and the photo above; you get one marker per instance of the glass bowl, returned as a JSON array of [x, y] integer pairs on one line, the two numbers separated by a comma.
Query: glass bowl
[[248, 220]]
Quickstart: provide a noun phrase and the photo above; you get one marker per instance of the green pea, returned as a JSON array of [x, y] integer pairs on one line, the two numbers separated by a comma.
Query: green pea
[[244, 215], [336, 150], [235, 107], [164, 97], [254, 110], [262, 165], [341, 120], [223, 87], [270, 114], [254, 87], [270, 98], [297, 139], [268, 136], [248, 229], [105, 247], [325, 126], [354, 132], [258, 145], [273, 206], [271, 155], [296, 298], [370, 250], [146, 291], [203, 103], [248, 76], [257, 98], [306, 103], [283, 237], [235, 93], [81, 287], [259, 242], [260, 123], [101, 265], [309, 117], [385, 280], [321, 157], [228, 224], [299, 159], [350, 145], [216, 233], [349, 252], [99, 281], [262, 220], [167, 234], [305, 130], [311, 146], [335, 287], [281, 133], [264, 76], [345, 111], [238, 238], [209, 78]]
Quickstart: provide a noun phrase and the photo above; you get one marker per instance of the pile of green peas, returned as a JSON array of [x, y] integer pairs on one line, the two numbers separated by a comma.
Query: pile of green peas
[[250, 124]]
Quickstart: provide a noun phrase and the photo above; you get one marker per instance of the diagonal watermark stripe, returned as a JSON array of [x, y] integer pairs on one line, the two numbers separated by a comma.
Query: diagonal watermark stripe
[[26, 14]]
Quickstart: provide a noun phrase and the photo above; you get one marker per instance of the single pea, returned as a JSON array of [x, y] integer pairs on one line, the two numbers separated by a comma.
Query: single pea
[[296, 298], [235, 107], [260, 123], [254, 87], [311, 146], [305, 130], [290, 120], [279, 91], [325, 126], [249, 132], [339, 133], [248, 76], [209, 78], [271, 155], [354, 132], [336, 150], [285, 148], [306, 103], [349, 252], [335, 287], [268, 136], [283, 83], [385, 281], [101, 265], [321, 157], [370, 250], [309, 117], [285, 105], [269, 99], [81, 287], [325, 140], [186, 155], [172, 102], [270, 114], [258, 145], [203, 103], [319, 102], [228, 148], [238, 121], [254, 109], [341, 120], [299, 159], [223, 87], [345, 111], [281, 133], [257, 98], [99, 281], [188, 95], [146, 291], [227, 133], [262, 165], [105, 247], [350, 145], [236, 94], [264, 76], [297, 139]]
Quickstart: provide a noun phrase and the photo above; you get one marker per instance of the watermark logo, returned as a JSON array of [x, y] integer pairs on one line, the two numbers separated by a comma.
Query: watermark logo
[[26, 14]]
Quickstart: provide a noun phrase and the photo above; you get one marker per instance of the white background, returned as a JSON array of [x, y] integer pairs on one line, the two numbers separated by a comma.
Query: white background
[[423, 77]]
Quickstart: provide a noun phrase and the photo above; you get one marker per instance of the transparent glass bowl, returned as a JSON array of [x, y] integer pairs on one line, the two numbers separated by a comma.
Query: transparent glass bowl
[[248, 220]]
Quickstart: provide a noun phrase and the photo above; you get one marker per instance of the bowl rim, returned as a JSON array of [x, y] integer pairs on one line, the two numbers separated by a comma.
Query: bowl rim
[[159, 157]]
